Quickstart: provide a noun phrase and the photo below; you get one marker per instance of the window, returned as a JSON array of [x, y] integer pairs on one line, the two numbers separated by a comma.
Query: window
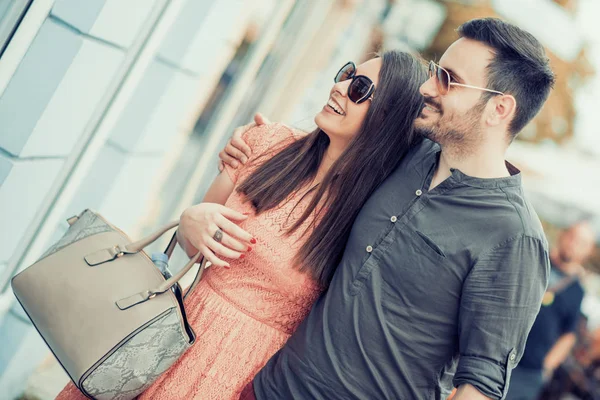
[[11, 14]]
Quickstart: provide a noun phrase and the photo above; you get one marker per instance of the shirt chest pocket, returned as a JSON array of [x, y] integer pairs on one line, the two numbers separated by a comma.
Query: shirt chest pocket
[[405, 258]]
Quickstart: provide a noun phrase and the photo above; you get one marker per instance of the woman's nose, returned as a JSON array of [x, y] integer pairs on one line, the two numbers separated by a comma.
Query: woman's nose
[[342, 87]]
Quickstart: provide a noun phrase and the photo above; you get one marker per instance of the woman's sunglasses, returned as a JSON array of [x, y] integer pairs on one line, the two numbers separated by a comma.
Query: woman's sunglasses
[[444, 81], [361, 88]]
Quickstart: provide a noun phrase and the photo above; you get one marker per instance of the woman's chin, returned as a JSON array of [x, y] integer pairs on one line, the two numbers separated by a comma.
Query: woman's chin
[[323, 120]]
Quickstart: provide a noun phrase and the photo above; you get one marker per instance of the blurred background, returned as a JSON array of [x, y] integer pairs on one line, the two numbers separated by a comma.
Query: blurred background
[[122, 106]]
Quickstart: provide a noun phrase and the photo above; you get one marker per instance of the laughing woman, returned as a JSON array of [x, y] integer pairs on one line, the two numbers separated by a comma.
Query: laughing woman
[[298, 195]]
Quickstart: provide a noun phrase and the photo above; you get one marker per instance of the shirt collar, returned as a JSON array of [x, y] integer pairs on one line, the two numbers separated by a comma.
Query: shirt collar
[[513, 180], [458, 177]]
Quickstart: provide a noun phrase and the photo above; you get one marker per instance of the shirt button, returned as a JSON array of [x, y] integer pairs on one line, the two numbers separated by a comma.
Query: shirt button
[[513, 356], [369, 249], [418, 192], [394, 219]]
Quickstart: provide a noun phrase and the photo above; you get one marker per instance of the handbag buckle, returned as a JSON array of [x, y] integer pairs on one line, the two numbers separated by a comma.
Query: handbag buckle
[[118, 252]]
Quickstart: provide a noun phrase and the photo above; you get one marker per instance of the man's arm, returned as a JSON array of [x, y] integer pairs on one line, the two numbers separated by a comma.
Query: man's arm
[[237, 151], [500, 300], [559, 352], [469, 392]]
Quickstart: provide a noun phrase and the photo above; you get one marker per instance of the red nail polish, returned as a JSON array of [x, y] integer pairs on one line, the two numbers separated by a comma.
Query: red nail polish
[[242, 256], [227, 266], [249, 248], [253, 241]]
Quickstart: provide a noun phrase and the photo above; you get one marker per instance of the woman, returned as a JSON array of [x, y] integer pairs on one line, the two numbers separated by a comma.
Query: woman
[[298, 195]]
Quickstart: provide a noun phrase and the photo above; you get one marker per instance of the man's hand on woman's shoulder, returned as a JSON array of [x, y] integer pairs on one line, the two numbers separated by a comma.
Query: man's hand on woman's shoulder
[[237, 151]]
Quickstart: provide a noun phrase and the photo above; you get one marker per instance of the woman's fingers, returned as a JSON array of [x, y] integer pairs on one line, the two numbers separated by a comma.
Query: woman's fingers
[[232, 214], [221, 251], [214, 260], [234, 244], [227, 241], [232, 229]]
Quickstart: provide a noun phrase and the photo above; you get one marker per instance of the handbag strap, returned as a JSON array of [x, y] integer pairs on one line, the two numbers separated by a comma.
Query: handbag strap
[[149, 294], [169, 251], [171, 245], [197, 278]]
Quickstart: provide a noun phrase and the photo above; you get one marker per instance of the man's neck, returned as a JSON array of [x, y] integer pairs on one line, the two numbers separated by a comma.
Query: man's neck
[[482, 163]]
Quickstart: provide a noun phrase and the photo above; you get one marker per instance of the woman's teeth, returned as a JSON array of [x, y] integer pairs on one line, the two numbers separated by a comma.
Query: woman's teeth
[[431, 109], [335, 107]]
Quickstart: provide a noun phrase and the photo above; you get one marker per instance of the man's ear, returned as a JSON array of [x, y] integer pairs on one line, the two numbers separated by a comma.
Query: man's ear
[[504, 107]]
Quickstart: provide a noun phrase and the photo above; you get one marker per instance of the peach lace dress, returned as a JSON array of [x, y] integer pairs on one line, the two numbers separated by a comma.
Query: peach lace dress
[[242, 315]]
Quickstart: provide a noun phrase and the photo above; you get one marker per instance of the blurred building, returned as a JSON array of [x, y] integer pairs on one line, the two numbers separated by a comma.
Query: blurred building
[[122, 106]]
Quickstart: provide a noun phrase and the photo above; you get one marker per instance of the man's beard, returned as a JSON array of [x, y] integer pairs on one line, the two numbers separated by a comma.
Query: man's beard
[[457, 134]]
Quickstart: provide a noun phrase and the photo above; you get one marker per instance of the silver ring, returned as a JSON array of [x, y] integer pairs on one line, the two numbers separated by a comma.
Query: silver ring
[[218, 236]]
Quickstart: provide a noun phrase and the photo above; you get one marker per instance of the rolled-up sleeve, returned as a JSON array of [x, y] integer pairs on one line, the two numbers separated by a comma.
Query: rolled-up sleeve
[[500, 300]]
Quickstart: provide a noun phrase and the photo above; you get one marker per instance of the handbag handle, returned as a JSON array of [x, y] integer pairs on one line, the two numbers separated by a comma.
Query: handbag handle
[[203, 266], [110, 253], [106, 255]]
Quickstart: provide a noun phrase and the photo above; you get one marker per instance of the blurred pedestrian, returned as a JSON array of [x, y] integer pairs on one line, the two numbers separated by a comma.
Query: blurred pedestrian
[[553, 334]]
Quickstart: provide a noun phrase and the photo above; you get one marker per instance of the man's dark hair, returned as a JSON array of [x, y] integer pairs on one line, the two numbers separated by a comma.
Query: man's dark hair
[[520, 66]]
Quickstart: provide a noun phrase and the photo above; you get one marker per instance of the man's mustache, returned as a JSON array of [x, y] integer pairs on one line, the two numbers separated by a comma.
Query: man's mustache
[[430, 102]]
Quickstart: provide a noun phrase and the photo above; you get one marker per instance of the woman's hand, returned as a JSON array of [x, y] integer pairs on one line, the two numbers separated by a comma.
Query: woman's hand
[[198, 225]]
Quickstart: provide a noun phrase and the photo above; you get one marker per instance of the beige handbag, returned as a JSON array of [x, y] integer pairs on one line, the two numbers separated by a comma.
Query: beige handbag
[[105, 310]]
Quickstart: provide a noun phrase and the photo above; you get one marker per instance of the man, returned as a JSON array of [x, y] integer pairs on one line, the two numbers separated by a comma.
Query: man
[[553, 334], [446, 264]]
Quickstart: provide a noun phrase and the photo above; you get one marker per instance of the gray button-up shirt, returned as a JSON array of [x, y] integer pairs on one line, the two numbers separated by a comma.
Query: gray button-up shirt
[[435, 288]]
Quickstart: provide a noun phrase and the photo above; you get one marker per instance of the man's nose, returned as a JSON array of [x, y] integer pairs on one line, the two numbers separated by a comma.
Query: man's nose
[[429, 88]]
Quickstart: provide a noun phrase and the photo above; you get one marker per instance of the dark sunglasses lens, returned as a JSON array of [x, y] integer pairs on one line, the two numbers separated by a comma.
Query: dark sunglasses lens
[[345, 73], [359, 88]]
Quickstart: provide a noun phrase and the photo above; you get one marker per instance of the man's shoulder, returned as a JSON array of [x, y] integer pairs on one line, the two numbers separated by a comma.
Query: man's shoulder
[[520, 225], [526, 221], [516, 216]]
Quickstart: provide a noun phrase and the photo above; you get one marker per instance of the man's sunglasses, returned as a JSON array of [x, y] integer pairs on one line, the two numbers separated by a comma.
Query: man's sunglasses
[[444, 81], [361, 88]]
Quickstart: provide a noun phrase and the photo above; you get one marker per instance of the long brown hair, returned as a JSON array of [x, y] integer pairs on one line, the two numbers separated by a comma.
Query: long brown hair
[[385, 136]]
